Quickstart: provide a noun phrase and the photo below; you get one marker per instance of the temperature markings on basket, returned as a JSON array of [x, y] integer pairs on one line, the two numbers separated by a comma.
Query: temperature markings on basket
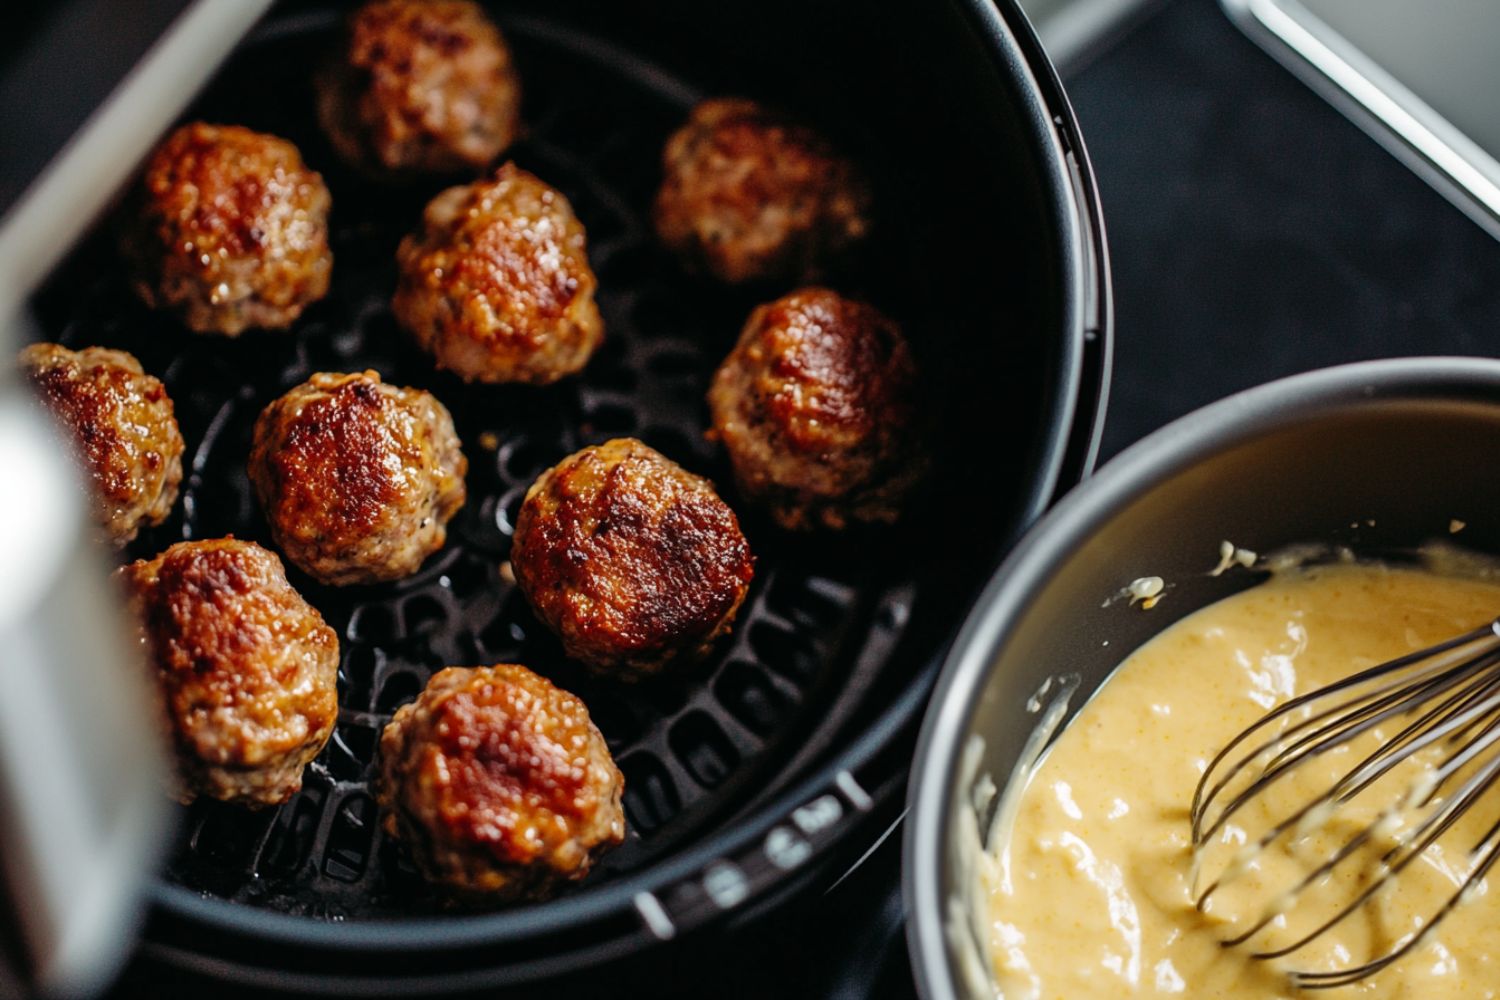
[[819, 814], [785, 849], [858, 797], [726, 884], [655, 917]]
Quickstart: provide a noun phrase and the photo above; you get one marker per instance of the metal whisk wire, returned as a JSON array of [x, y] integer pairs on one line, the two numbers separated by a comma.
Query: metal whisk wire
[[1451, 692]]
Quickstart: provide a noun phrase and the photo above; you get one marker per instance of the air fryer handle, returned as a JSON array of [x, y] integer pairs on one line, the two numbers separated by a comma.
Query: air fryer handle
[[82, 775]]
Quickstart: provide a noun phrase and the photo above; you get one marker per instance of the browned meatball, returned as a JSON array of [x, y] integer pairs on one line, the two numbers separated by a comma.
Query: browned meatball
[[357, 478], [749, 196], [123, 423], [420, 86], [228, 230], [498, 784], [634, 562], [497, 284], [817, 406], [247, 670]]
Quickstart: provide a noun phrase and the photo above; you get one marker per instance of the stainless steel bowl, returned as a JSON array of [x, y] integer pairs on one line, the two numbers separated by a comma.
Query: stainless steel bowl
[[1378, 456]]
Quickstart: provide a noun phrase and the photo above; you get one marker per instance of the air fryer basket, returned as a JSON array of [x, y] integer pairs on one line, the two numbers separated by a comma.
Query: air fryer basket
[[989, 250]]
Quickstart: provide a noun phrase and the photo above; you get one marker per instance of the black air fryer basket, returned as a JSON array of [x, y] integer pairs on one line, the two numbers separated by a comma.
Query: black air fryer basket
[[766, 768]]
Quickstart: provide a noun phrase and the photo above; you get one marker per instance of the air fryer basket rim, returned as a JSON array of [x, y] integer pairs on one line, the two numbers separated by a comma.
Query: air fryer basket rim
[[1077, 422], [1157, 458]]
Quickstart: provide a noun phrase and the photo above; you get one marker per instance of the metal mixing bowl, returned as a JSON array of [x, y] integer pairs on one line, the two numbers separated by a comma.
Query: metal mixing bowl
[[1380, 457]]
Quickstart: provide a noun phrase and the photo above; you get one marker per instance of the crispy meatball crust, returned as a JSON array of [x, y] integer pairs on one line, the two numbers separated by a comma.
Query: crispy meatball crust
[[358, 478], [228, 229], [247, 669], [499, 784], [634, 562], [497, 284], [420, 86], [747, 195], [817, 406], [123, 424]]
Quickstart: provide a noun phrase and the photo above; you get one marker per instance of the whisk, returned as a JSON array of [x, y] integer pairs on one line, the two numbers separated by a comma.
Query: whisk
[[1444, 699]]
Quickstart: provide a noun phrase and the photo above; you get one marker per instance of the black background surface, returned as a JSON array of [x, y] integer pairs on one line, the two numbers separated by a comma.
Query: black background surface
[[1255, 232]]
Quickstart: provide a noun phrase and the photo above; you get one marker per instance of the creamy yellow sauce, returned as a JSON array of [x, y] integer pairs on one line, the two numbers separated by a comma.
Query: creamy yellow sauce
[[1091, 891]]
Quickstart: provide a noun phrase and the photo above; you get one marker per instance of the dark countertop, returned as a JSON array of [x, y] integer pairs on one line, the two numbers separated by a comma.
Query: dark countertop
[[1254, 231]]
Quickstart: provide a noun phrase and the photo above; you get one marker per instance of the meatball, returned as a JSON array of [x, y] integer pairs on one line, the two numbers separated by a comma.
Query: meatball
[[357, 478], [817, 406], [420, 86], [635, 563], [123, 424], [228, 229], [750, 196], [247, 669], [497, 284], [499, 784]]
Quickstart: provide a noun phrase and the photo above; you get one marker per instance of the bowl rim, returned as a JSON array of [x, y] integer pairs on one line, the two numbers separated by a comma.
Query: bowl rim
[[1163, 454]]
